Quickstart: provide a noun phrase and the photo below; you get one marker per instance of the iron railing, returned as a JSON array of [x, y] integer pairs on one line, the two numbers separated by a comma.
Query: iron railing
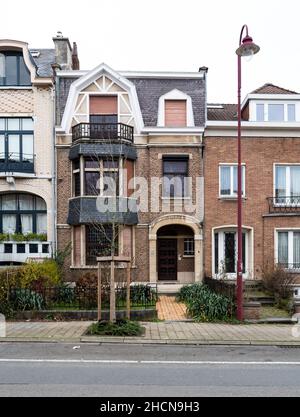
[[284, 204], [81, 298], [221, 287], [15, 162], [114, 132], [295, 267]]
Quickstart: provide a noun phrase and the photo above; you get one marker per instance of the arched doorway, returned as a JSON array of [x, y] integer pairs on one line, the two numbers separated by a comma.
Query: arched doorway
[[176, 250]]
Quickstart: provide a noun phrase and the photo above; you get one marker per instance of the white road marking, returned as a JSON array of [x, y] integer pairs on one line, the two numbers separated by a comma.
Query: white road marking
[[136, 362]]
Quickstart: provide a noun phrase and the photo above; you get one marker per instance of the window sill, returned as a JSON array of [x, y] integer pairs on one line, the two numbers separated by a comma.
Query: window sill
[[175, 198], [16, 87], [231, 198], [188, 257]]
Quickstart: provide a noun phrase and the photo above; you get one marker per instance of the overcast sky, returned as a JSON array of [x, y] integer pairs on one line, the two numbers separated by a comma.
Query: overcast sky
[[175, 35]]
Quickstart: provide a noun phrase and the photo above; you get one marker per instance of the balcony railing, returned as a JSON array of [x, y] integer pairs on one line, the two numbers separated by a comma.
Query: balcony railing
[[284, 205], [291, 267], [22, 252], [15, 162], [106, 132]]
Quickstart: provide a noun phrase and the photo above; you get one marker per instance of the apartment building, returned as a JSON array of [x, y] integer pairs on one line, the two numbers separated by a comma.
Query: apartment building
[[271, 183], [134, 128]]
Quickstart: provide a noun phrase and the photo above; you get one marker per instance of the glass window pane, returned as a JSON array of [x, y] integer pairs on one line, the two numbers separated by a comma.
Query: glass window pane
[[225, 181], [27, 124], [26, 223], [280, 185], [41, 224], [2, 124], [25, 202], [175, 167], [111, 184], [296, 254], [295, 181], [235, 180], [110, 164], [260, 112], [24, 73], [40, 204], [9, 223], [9, 202], [283, 248], [13, 124], [14, 147], [77, 188], [92, 185], [291, 112], [27, 145], [2, 148], [11, 68], [276, 112], [2, 69], [92, 163]]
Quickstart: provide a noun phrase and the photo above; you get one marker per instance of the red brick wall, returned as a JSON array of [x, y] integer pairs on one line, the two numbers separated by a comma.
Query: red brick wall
[[259, 154]]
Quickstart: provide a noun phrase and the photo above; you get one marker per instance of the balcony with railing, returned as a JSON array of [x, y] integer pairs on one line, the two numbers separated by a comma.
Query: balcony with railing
[[105, 132], [284, 205], [15, 162]]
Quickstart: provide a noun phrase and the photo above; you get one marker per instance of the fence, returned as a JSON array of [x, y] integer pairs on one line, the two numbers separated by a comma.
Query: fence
[[81, 298], [221, 287]]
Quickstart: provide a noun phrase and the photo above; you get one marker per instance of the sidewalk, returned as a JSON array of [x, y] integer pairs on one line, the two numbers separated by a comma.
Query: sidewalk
[[158, 333]]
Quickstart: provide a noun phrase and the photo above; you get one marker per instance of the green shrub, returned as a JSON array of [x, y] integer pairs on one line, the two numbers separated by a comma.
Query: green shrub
[[26, 300], [4, 237], [205, 305], [120, 328]]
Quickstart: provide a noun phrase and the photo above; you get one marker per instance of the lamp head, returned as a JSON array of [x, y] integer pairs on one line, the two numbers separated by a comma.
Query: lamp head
[[248, 48]]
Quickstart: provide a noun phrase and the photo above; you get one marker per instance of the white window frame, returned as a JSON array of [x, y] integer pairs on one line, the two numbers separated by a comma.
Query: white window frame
[[232, 194], [221, 244], [266, 111], [288, 181], [175, 95], [290, 232], [191, 244]]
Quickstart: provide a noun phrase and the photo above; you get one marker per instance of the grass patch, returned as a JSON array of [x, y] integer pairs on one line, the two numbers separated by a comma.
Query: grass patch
[[274, 312], [120, 328]]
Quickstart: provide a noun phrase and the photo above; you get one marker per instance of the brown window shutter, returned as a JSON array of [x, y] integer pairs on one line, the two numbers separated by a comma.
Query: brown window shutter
[[103, 105], [175, 113]]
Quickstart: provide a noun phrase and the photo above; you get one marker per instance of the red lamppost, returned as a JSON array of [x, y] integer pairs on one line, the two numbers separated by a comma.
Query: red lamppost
[[247, 48]]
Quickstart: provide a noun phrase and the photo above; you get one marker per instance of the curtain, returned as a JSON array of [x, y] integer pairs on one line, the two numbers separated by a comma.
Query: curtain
[[295, 181], [27, 148], [26, 224], [41, 224], [40, 204], [2, 148], [9, 223], [296, 250], [281, 182], [225, 181], [9, 202], [283, 248], [14, 147], [25, 202]]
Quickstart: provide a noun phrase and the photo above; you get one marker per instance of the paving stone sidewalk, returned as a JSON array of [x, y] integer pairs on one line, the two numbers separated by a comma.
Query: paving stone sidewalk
[[159, 333]]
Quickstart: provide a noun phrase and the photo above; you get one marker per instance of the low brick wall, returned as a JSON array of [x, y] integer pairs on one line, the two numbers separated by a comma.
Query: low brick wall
[[252, 311], [81, 315]]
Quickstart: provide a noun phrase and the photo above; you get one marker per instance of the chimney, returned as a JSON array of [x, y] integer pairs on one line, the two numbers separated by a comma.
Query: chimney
[[75, 59], [63, 51]]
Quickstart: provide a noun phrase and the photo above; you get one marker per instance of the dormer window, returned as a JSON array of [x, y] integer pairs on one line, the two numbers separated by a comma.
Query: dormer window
[[13, 71], [175, 110], [276, 112]]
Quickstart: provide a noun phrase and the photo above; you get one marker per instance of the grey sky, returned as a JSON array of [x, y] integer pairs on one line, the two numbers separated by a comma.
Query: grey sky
[[178, 35]]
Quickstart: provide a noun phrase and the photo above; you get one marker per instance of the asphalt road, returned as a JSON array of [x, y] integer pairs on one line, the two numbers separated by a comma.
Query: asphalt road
[[43, 370]]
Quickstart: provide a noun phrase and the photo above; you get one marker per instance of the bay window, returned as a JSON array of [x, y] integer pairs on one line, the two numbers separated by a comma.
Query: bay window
[[288, 249], [229, 180]]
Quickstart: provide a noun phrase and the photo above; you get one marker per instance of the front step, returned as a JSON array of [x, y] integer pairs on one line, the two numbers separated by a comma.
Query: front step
[[169, 289]]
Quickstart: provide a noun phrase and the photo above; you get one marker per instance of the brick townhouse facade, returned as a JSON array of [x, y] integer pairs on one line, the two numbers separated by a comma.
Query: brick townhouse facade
[[271, 184], [135, 128]]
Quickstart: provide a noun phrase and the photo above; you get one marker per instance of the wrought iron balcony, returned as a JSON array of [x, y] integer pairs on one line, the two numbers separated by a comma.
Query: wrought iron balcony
[[13, 162], [106, 132], [285, 205], [290, 267]]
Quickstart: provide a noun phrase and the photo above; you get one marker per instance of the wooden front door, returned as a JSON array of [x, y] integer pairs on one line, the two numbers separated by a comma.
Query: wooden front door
[[167, 259]]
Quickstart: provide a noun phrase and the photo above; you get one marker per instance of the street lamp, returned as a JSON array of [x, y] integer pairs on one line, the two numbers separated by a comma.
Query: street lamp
[[247, 48]]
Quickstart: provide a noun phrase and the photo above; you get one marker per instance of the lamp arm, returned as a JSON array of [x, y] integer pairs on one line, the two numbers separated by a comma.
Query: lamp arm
[[245, 27]]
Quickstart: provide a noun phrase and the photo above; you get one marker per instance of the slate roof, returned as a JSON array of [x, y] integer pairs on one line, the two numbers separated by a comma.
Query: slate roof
[[272, 89], [222, 112], [149, 90], [44, 61]]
